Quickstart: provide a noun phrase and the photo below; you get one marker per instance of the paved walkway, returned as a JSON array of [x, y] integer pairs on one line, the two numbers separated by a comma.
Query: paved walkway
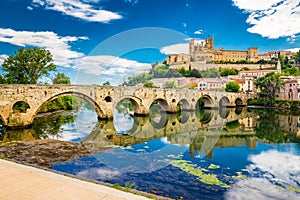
[[28, 183]]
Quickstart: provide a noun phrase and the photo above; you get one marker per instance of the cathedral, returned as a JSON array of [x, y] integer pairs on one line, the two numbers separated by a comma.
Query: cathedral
[[205, 52]]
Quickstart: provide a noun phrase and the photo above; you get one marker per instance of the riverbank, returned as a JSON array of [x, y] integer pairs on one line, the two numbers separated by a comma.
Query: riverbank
[[28, 183]]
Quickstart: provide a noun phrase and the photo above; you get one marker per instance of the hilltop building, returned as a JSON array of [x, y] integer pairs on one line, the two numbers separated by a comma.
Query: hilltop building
[[205, 52]]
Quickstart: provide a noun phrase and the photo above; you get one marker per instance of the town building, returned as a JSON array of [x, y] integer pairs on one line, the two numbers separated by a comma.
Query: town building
[[212, 84], [289, 90]]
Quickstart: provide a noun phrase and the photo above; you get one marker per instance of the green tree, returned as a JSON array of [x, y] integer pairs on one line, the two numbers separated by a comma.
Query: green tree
[[195, 73], [282, 59], [107, 83], [269, 84], [149, 84], [291, 71], [2, 79], [229, 71], [172, 73], [28, 66], [232, 87], [297, 57], [61, 78]]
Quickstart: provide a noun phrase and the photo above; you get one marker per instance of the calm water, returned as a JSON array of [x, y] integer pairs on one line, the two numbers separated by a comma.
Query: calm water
[[208, 154]]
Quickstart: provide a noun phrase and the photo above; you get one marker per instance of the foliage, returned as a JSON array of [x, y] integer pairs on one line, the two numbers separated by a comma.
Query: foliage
[[172, 73], [51, 125], [297, 57], [282, 59], [195, 73], [232, 87], [61, 78], [269, 84], [2, 79], [170, 84], [28, 66], [189, 73], [229, 71], [211, 73], [21, 106], [107, 83], [233, 124], [291, 71], [270, 129], [149, 84], [125, 106]]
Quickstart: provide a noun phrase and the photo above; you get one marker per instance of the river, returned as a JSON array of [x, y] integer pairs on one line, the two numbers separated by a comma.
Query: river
[[231, 153]]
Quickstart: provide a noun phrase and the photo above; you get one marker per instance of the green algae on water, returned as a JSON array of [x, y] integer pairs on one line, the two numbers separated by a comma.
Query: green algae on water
[[210, 179], [213, 166]]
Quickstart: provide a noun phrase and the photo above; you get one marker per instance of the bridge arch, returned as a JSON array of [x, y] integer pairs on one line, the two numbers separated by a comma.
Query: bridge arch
[[136, 102], [206, 100], [224, 102], [97, 107], [163, 103], [205, 116], [238, 102], [183, 117], [224, 112], [183, 104], [20, 106]]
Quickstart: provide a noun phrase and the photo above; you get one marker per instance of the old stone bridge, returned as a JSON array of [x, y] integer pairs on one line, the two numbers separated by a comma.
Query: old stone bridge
[[105, 98]]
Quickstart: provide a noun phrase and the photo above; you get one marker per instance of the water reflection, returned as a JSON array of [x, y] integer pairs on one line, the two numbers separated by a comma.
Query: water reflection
[[208, 154]]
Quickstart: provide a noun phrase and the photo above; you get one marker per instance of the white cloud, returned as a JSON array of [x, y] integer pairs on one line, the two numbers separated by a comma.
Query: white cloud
[[198, 32], [184, 24], [63, 56], [273, 173], [294, 50], [2, 58], [272, 18], [176, 49], [57, 45], [110, 65], [82, 9]]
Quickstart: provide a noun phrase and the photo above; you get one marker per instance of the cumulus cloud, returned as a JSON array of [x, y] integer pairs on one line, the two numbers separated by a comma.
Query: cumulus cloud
[[63, 56], [88, 10], [274, 173], [110, 65], [175, 49], [57, 45], [272, 18]]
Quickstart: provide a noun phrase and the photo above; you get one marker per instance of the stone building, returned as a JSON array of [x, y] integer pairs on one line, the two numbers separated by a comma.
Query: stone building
[[289, 90], [203, 52]]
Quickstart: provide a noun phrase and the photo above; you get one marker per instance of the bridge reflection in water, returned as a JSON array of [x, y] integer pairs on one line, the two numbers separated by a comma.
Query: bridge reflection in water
[[201, 131]]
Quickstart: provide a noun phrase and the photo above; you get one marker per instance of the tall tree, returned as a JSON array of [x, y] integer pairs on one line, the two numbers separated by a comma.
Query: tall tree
[[28, 66], [232, 87], [297, 57], [61, 78], [269, 84]]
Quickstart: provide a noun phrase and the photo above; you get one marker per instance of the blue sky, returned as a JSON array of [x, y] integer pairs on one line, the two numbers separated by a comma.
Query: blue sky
[[94, 41]]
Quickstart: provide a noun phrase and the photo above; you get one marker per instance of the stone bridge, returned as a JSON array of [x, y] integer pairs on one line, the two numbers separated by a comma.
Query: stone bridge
[[105, 98]]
